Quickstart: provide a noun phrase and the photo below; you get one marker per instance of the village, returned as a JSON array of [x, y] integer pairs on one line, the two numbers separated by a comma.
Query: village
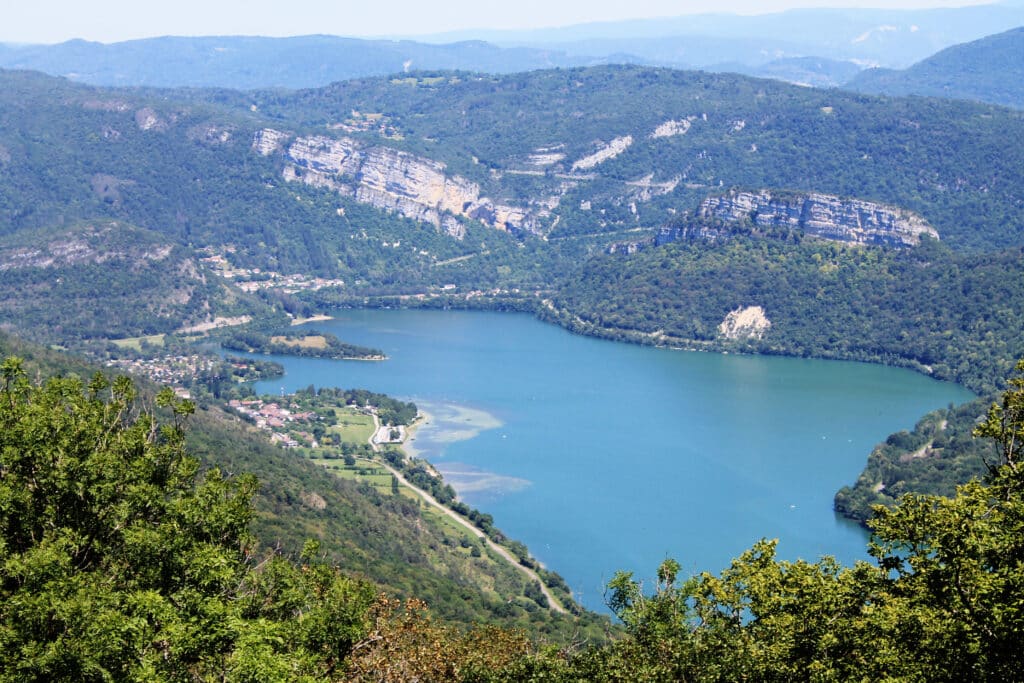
[[286, 425], [254, 279], [174, 370], [329, 423], [185, 372]]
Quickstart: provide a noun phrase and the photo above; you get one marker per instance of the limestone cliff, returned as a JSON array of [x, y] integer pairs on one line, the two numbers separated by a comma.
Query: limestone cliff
[[820, 215], [389, 179]]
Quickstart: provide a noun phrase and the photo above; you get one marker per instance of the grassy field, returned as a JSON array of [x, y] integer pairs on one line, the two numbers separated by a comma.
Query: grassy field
[[353, 426], [311, 341], [136, 342]]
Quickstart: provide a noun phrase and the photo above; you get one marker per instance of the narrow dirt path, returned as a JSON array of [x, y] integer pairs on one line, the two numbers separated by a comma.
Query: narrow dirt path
[[509, 557]]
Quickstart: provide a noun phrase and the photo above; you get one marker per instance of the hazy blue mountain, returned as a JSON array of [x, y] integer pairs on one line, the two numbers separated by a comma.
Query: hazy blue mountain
[[248, 62], [817, 72], [828, 40], [988, 70], [891, 38], [254, 62]]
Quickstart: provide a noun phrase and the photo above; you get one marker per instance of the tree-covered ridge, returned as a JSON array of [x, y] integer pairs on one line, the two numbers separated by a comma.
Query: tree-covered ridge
[[186, 170], [955, 316], [181, 162], [106, 279], [936, 457], [990, 69], [947, 161]]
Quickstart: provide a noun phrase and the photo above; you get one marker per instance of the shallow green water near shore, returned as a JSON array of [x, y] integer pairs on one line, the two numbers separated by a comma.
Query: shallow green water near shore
[[603, 456]]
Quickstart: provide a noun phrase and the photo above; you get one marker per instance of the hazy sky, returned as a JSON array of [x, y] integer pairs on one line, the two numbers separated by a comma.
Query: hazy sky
[[51, 21]]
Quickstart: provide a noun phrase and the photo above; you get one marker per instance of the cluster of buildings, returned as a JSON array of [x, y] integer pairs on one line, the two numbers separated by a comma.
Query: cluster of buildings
[[253, 279], [280, 422], [173, 370]]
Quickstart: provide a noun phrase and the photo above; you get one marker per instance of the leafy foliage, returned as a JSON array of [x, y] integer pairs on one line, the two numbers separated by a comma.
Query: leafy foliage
[[121, 563]]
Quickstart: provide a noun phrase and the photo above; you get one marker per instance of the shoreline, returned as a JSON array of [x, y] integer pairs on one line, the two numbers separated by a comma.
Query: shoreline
[[554, 604], [422, 419], [548, 314], [318, 318]]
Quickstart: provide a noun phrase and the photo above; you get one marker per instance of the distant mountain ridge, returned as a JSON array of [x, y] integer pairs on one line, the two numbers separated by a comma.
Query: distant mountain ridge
[[987, 70], [247, 62], [884, 37], [818, 47]]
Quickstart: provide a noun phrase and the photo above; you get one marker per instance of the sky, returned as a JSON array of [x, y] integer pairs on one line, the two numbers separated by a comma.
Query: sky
[[53, 21]]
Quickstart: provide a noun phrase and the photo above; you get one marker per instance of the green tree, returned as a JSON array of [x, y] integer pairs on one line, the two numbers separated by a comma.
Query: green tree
[[119, 560], [959, 562]]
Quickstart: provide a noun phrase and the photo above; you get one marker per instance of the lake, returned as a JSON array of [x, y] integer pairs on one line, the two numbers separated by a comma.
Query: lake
[[603, 456]]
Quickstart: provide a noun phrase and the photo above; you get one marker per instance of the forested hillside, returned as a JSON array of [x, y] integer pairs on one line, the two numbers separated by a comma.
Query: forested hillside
[[956, 316], [55, 281], [534, 135], [987, 70]]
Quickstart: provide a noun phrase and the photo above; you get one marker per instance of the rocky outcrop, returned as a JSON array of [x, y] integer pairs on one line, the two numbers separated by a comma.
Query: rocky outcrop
[[670, 129], [627, 248], [389, 179], [609, 151], [645, 188], [211, 134], [690, 231], [745, 323], [820, 215], [267, 141], [147, 119]]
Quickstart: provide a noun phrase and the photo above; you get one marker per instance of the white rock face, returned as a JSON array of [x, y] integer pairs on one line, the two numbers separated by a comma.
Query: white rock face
[[268, 141], [822, 215], [671, 128], [645, 188], [541, 159], [609, 151], [88, 245], [147, 119], [389, 179], [745, 323]]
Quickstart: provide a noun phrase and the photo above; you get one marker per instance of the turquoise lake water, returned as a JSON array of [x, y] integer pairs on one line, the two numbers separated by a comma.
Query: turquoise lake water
[[603, 456]]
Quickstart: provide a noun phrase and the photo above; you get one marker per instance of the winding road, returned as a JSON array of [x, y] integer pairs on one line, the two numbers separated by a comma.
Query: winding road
[[554, 604]]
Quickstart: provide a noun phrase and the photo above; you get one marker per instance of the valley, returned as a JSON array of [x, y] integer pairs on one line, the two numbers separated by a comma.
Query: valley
[[653, 313]]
